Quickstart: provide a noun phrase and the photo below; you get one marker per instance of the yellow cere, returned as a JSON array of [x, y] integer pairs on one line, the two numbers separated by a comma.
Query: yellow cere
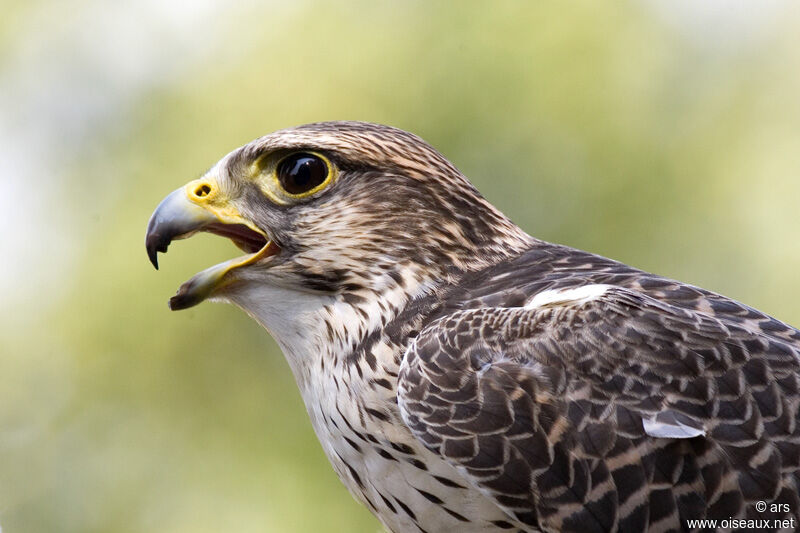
[[206, 193]]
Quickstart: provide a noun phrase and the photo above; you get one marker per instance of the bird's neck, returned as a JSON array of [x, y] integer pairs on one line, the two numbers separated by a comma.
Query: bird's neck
[[318, 332], [356, 337]]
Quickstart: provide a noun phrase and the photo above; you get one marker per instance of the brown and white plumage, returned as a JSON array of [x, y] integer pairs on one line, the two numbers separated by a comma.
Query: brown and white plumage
[[464, 376]]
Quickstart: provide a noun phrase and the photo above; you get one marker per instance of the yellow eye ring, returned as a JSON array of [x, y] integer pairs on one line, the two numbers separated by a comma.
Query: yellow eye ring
[[301, 174]]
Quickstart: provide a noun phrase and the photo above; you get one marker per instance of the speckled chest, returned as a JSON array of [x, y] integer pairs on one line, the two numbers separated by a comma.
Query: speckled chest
[[351, 399], [354, 412]]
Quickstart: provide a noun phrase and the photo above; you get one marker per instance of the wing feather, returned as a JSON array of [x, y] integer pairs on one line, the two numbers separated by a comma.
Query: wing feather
[[609, 410]]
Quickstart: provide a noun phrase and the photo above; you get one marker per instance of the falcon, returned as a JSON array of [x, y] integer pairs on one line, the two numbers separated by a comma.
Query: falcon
[[463, 376]]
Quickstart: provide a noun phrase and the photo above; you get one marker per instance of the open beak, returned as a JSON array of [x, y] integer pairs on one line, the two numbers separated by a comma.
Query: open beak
[[200, 206]]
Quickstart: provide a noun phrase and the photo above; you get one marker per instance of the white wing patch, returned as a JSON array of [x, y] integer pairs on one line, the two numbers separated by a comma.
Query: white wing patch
[[577, 295], [672, 425]]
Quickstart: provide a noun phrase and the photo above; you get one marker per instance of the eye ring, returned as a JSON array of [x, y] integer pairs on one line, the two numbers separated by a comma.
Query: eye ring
[[301, 174]]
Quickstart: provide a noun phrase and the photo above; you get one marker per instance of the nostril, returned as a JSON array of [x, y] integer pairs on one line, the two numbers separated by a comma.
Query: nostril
[[202, 190]]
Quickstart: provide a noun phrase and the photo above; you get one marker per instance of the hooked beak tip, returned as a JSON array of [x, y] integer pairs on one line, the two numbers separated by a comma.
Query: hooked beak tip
[[152, 251], [155, 242], [174, 218]]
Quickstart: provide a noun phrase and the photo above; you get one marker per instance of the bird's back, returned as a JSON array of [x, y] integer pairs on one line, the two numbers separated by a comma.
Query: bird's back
[[659, 402]]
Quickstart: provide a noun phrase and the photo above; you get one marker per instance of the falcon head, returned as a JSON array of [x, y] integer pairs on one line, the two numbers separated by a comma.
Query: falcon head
[[335, 209]]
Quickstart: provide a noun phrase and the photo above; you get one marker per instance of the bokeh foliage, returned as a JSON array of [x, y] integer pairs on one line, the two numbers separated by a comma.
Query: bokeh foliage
[[619, 127]]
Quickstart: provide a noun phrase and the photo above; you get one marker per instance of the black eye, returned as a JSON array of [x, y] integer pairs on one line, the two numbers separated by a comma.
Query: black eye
[[301, 172]]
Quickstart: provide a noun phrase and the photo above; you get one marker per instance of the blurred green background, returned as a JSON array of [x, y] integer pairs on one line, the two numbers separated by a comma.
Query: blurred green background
[[665, 134]]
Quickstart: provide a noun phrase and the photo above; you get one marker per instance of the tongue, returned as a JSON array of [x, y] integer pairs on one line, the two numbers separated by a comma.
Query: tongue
[[203, 284], [243, 237]]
